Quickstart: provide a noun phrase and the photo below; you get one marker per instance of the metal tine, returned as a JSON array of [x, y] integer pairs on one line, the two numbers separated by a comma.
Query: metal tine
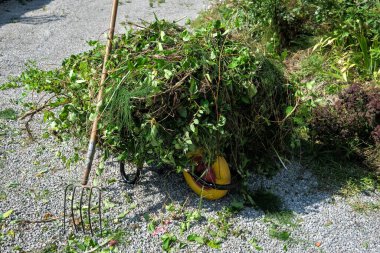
[[91, 190], [80, 209], [99, 208], [72, 208], [64, 206], [89, 211]]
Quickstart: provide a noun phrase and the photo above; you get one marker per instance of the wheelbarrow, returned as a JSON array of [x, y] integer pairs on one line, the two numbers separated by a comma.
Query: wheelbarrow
[[209, 182]]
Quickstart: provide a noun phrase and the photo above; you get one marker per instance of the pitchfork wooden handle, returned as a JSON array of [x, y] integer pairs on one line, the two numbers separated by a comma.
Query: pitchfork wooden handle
[[99, 100]]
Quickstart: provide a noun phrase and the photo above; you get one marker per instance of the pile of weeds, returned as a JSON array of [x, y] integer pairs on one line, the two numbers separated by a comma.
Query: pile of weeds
[[169, 92]]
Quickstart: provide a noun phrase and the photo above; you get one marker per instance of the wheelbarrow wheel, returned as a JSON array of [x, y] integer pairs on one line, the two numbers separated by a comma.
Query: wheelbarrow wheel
[[129, 178], [220, 175]]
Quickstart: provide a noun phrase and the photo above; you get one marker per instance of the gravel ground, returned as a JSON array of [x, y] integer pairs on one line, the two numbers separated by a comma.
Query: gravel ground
[[32, 178]]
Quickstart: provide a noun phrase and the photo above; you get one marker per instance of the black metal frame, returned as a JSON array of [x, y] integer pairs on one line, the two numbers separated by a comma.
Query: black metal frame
[[207, 184], [126, 178], [132, 180]]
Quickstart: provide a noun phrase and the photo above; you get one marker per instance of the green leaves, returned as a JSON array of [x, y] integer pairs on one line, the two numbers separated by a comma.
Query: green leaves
[[255, 244], [5, 215], [185, 35], [108, 243], [237, 205], [196, 238], [204, 241], [162, 35], [214, 244], [282, 224], [279, 234], [182, 112], [168, 74], [289, 110], [168, 240], [169, 91], [8, 114]]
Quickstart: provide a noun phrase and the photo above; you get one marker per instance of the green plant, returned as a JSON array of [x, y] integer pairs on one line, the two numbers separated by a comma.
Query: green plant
[[255, 245], [211, 238], [364, 207], [345, 60], [202, 240], [220, 227], [354, 186], [168, 240], [190, 217], [353, 31], [196, 238], [279, 234], [151, 2], [9, 114], [286, 218], [268, 26], [50, 248], [5, 234], [281, 224], [216, 231], [152, 222], [107, 243], [4, 216], [352, 123], [311, 66], [3, 196]]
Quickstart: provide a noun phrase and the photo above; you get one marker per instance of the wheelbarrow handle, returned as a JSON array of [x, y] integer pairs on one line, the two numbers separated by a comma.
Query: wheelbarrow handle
[[99, 100], [216, 186]]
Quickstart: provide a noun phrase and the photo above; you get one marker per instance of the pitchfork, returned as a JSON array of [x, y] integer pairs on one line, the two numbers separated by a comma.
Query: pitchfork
[[84, 188]]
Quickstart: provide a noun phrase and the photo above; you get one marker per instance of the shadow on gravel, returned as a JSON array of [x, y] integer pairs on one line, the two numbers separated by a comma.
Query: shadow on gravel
[[12, 11], [155, 190], [37, 20], [298, 189]]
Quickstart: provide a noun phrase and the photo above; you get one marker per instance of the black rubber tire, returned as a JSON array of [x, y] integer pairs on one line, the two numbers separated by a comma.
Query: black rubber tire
[[130, 178]]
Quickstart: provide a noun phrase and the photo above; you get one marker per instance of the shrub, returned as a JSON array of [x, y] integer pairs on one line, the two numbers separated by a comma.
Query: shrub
[[352, 122]]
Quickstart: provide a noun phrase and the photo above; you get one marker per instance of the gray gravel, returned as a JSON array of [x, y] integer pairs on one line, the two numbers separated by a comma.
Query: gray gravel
[[32, 177]]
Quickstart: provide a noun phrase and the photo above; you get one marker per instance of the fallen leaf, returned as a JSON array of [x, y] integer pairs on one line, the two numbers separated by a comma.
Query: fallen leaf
[[47, 216], [135, 226], [318, 244], [11, 233], [7, 214], [41, 173], [122, 215], [112, 243], [76, 221], [159, 230]]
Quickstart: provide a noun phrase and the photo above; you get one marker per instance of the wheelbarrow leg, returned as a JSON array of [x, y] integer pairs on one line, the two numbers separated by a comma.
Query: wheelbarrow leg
[[129, 179]]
